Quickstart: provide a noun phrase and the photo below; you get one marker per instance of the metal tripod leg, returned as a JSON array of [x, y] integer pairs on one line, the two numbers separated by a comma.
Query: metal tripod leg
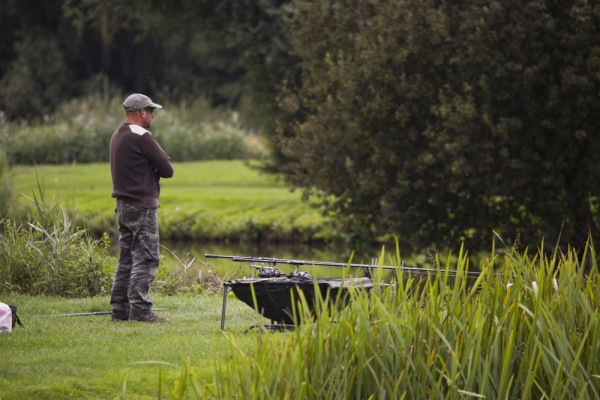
[[224, 307]]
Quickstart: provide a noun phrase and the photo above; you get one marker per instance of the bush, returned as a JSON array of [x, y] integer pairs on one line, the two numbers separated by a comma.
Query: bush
[[60, 143]]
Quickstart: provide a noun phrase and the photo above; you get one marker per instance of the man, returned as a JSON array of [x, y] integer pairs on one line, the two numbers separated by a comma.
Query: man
[[137, 162]]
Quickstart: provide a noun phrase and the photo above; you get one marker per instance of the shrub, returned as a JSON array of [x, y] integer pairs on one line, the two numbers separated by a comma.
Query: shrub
[[60, 143]]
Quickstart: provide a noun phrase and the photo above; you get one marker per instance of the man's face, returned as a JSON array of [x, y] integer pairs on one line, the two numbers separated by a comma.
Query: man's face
[[147, 116]]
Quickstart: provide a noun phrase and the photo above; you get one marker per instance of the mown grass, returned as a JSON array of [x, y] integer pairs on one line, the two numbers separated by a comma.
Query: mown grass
[[218, 200], [90, 357]]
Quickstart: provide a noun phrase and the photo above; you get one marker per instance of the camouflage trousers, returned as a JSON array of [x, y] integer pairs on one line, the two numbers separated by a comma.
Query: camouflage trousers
[[138, 260]]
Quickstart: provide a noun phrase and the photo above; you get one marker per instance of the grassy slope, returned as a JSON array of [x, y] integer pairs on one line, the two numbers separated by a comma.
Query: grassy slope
[[91, 357], [210, 199]]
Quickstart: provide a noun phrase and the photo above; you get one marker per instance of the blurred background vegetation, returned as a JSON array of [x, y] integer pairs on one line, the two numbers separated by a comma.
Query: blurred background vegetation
[[434, 122]]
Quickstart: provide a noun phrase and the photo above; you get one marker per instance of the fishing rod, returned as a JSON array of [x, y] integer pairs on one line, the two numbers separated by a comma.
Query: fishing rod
[[272, 300], [367, 267], [82, 314]]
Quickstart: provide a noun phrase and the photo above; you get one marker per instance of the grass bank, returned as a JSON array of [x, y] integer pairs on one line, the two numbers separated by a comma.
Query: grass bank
[[207, 200], [90, 357]]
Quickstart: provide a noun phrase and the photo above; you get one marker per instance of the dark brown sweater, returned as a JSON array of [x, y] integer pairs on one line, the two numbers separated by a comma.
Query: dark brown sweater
[[137, 162]]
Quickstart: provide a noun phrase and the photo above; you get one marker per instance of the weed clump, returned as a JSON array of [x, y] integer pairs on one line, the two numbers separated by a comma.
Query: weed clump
[[188, 276], [47, 255]]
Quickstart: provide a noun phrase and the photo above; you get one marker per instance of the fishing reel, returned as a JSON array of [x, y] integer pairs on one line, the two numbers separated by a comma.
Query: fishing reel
[[267, 271]]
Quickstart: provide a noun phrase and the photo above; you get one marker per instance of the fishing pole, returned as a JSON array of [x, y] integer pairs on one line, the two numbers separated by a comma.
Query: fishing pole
[[82, 314], [366, 267]]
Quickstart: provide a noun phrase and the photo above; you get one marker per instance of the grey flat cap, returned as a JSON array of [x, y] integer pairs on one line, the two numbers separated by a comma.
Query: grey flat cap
[[138, 101]]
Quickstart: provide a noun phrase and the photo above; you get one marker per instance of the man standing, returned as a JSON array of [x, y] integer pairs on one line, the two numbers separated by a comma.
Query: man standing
[[137, 162]]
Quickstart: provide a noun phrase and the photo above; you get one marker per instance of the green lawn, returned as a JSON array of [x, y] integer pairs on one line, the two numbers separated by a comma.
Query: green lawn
[[92, 357], [204, 200]]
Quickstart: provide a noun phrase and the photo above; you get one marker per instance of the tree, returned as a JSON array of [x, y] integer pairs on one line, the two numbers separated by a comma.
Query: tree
[[443, 123], [165, 49], [257, 32], [37, 80], [107, 19], [256, 29], [33, 76]]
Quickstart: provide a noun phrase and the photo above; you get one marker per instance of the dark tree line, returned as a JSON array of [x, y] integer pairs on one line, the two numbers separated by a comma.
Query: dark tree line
[[54, 50], [437, 122]]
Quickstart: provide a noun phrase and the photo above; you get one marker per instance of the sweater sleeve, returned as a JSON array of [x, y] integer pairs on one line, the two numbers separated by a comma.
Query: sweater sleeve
[[157, 156]]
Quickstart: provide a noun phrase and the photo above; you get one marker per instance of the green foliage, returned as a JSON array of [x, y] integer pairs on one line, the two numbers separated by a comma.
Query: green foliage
[[442, 122], [55, 261], [37, 80], [59, 143], [48, 255], [204, 141], [98, 16], [258, 32], [34, 72], [55, 51], [530, 332], [82, 129]]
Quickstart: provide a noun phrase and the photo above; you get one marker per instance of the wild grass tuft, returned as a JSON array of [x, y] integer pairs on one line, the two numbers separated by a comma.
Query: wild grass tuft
[[188, 276], [47, 254]]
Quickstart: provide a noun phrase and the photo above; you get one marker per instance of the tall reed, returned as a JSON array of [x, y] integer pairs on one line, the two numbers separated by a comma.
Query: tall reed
[[527, 329], [47, 254]]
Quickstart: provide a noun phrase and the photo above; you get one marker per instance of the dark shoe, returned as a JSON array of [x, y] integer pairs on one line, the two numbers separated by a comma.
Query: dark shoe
[[120, 315], [146, 317]]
